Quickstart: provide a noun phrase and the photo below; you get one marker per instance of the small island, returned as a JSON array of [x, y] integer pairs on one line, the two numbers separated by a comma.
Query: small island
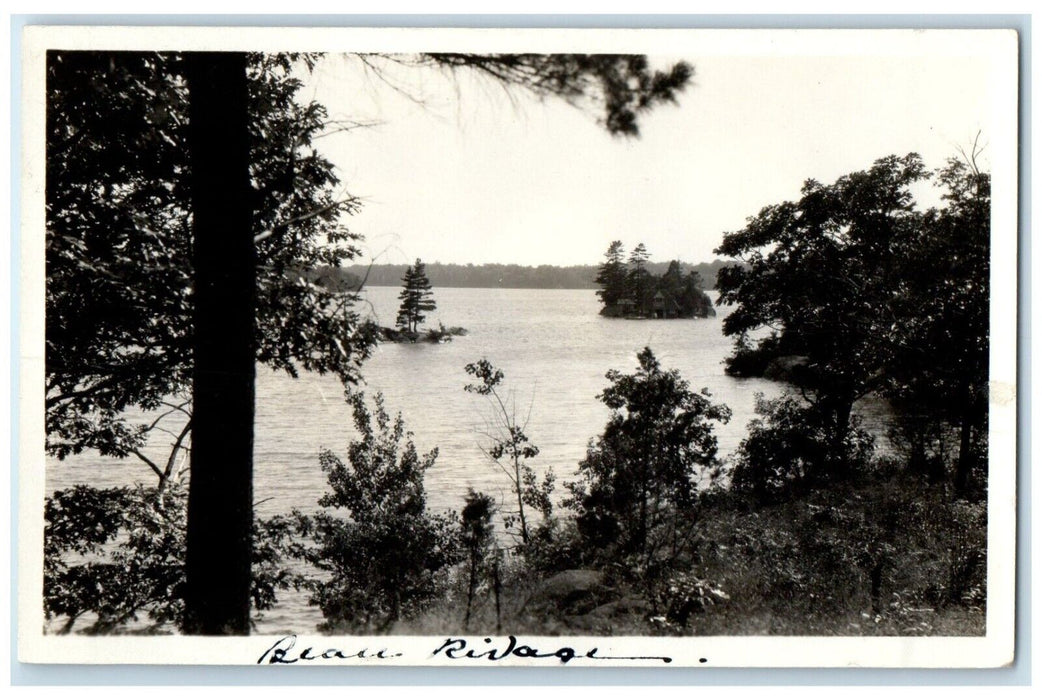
[[441, 334], [630, 290], [417, 299]]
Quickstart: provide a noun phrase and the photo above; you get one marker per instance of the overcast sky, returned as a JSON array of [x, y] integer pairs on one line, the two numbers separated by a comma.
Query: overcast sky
[[459, 171]]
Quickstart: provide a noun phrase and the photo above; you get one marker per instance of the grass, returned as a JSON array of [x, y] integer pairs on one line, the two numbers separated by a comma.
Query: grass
[[887, 556]]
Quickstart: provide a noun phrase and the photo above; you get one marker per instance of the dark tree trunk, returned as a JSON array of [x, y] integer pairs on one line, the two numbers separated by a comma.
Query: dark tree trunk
[[497, 588], [471, 587], [838, 467], [876, 583], [220, 502], [520, 502], [967, 455]]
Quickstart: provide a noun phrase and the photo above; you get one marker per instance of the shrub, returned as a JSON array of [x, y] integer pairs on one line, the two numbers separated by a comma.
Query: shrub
[[477, 534], [641, 481], [752, 361], [555, 545], [884, 555], [680, 594], [390, 558], [790, 448], [924, 441]]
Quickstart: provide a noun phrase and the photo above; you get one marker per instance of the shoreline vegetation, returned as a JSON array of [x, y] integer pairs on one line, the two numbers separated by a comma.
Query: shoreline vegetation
[[441, 334], [883, 551]]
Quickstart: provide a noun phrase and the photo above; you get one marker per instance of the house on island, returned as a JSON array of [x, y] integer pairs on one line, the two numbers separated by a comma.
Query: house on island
[[626, 307], [663, 306]]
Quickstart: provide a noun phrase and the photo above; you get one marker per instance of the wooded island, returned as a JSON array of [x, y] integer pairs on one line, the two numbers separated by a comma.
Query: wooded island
[[630, 290]]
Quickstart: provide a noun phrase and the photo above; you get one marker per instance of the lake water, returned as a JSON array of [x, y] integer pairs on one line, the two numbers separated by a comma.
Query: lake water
[[554, 349]]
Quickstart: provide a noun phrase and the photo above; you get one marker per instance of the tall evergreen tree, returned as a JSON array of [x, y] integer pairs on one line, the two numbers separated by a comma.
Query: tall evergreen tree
[[639, 279], [416, 297], [611, 275]]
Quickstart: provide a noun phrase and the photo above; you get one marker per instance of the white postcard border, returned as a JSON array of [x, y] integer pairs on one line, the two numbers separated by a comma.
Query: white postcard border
[[999, 47]]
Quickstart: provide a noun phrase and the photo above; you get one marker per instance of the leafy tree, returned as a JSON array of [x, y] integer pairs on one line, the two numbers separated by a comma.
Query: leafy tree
[[692, 297], [642, 478], [386, 560], [685, 291], [114, 556], [939, 368], [611, 275], [820, 272], [119, 295], [416, 297], [124, 288], [510, 448]]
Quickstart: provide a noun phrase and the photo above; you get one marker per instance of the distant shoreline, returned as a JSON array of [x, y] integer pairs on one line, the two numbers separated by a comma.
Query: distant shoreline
[[503, 276]]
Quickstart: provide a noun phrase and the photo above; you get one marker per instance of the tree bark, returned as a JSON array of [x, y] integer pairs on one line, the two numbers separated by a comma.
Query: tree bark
[[220, 502], [838, 467], [969, 420], [497, 588], [471, 587], [520, 499]]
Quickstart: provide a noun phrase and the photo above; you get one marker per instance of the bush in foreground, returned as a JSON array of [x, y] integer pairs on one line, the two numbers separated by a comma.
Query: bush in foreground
[[390, 558]]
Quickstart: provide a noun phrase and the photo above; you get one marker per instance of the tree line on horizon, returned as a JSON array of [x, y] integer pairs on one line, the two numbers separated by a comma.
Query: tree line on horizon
[[493, 275]]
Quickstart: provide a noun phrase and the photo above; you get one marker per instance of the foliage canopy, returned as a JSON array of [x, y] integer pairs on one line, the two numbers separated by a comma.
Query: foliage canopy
[[119, 274], [861, 292]]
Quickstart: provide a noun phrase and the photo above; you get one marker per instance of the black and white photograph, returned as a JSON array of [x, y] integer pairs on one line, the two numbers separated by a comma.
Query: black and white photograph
[[652, 348]]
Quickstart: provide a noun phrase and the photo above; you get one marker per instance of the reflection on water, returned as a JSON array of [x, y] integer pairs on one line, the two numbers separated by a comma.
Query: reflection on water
[[554, 349]]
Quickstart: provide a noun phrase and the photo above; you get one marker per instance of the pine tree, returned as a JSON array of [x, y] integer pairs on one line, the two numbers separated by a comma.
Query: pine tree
[[612, 275], [639, 279], [416, 297]]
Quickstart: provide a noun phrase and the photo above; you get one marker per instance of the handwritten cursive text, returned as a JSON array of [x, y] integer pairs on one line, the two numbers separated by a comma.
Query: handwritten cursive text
[[280, 653], [459, 648]]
